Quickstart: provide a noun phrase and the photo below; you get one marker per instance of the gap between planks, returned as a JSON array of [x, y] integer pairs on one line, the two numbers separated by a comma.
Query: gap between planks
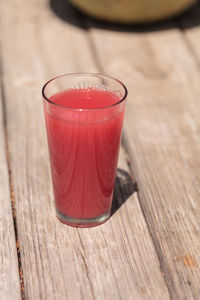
[[156, 245], [12, 196], [189, 45], [186, 23]]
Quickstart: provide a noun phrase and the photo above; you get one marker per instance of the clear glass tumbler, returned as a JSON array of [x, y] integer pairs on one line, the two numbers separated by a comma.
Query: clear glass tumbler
[[84, 116]]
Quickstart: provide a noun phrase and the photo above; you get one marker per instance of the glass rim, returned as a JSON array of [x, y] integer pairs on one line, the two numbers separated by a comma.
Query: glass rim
[[85, 74]]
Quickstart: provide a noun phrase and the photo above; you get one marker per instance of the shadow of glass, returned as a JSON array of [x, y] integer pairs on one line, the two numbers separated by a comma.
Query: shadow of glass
[[68, 13], [124, 188]]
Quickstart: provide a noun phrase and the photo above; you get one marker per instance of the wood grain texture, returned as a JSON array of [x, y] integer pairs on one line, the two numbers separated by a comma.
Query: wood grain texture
[[163, 142], [9, 273], [114, 261]]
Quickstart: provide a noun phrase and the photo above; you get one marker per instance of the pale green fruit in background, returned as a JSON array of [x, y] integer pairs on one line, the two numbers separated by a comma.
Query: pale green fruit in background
[[126, 11]]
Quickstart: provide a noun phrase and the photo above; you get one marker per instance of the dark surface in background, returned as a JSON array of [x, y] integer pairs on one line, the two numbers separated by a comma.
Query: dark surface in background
[[68, 13]]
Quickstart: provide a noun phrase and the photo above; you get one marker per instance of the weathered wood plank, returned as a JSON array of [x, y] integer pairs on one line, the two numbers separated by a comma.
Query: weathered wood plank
[[114, 261], [9, 283], [162, 139], [125, 247]]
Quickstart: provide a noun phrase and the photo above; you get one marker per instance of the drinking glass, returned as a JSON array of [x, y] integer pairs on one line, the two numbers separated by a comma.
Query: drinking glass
[[84, 116]]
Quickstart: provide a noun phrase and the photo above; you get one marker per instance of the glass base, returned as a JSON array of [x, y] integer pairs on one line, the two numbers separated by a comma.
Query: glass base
[[82, 222]]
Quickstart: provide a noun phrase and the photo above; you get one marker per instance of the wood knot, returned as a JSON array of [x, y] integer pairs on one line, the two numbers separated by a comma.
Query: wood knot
[[189, 261]]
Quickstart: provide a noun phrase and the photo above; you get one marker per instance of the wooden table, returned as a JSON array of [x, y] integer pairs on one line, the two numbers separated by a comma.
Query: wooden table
[[150, 247]]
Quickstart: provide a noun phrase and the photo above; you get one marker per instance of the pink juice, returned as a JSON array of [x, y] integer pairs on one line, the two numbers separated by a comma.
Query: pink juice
[[84, 137]]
